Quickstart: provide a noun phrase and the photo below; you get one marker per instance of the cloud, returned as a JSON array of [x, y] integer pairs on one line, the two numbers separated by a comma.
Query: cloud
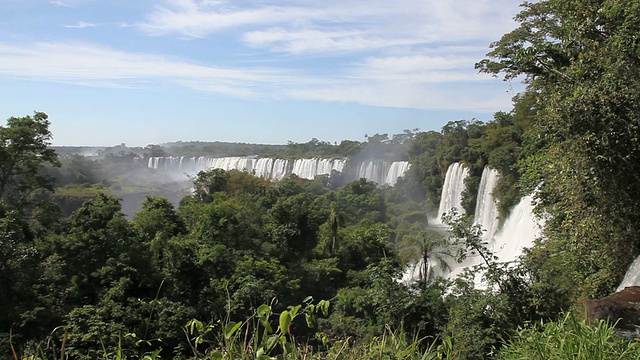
[[300, 26], [320, 42], [199, 19], [69, 3], [85, 64], [60, 3], [418, 81], [81, 25]]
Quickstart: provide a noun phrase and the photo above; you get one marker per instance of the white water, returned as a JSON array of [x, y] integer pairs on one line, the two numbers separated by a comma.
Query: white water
[[380, 172], [310, 168], [452, 190], [373, 171], [396, 170], [632, 277], [486, 213], [519, 230]]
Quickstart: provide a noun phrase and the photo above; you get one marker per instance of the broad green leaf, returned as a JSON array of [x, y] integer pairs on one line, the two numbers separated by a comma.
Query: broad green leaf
[[230, 329], [285, 321]]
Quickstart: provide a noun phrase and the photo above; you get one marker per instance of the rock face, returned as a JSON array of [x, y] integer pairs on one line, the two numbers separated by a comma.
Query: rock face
[[623, 307]]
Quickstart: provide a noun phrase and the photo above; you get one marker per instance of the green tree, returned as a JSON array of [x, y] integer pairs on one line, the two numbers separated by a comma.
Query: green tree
[[24, 149], [581, 59], [209, 182], [99, 248], [434, 250], [335, 221]]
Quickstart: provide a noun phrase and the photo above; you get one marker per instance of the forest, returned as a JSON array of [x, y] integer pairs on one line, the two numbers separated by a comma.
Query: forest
[[246, 268]]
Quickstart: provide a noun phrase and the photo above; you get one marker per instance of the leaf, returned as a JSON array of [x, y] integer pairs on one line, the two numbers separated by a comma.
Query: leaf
[[311, 321], [285, 322], [271, 342], [263, 310], [230, 329], [294, 310], [324, 306]]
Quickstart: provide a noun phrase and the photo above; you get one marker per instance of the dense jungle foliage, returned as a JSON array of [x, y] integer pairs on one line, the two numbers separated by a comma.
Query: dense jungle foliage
[[246, 268]]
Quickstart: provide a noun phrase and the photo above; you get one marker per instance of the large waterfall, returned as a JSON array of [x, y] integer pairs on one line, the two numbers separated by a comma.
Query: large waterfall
[[518, 231], [486, 213], [381, 172], [396, 170], [452, 190]]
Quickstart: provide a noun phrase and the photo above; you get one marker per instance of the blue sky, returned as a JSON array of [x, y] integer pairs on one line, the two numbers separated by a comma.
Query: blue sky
[[263, 71]]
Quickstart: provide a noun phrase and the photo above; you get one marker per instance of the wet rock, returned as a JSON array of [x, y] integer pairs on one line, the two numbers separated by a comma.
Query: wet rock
[[621, 308]]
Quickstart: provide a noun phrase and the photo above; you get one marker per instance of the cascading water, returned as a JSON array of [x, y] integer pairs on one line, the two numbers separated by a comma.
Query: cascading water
[[632, 277], [310, 168], [452, 190], [280, 169], [519, 230], [263, 168], [277, 169], [486, 213], [396, 170], [305, 168], [373, 170], [381, 172]]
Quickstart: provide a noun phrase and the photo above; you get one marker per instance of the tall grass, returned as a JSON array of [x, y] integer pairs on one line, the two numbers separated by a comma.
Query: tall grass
[[569, 338]]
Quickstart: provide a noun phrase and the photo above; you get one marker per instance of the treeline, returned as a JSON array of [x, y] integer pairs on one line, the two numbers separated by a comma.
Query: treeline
[[378, 146]]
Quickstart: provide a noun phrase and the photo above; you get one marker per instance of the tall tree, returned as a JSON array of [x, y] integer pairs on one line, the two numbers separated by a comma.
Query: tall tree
[[24, 149], [581, 59], [335, 221]]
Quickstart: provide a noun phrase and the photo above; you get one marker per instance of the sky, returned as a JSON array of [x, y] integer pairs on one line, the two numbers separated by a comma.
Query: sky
[[263, 71]]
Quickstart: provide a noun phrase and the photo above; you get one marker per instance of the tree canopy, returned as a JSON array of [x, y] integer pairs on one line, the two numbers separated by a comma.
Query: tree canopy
[[24, 149]]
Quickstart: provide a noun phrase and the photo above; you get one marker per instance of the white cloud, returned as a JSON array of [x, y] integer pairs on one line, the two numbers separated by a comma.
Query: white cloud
[[300, 26], [69, 3], [200, 19], [81, 25], [418, 81], [86, 64], [59, 3], [320, 42]]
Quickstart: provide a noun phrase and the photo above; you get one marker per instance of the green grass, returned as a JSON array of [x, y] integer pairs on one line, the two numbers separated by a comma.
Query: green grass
[[569, 338]]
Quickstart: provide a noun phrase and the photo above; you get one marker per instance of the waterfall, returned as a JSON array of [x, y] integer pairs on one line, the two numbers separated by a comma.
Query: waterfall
[[452, 190], [305, 168], [486, 213], [396, 170], [381, 172], [263, 168], [310, 168], [378, 171], [373, 170], [231, 163], [519, 231], [632, 277], [280, 169]]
